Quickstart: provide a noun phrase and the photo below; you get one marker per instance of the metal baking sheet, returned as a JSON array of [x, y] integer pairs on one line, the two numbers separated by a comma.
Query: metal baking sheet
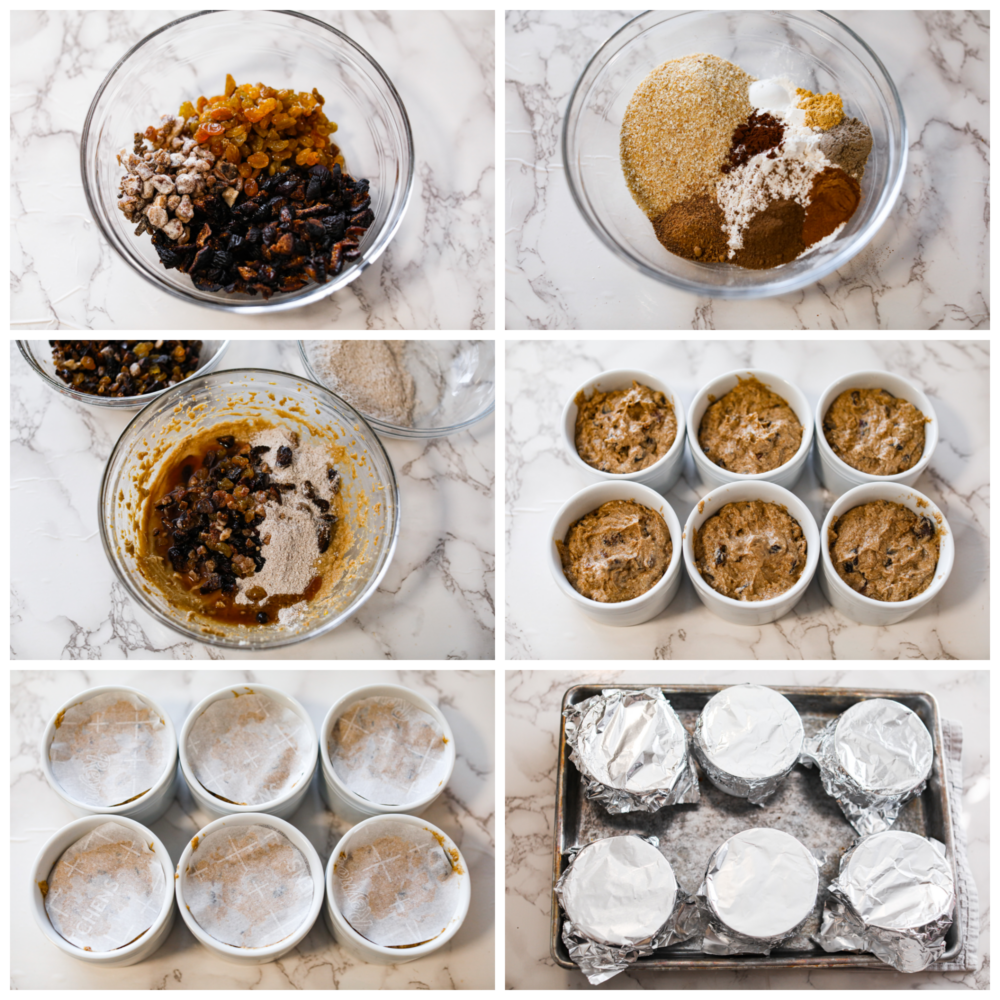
[[690, 833]]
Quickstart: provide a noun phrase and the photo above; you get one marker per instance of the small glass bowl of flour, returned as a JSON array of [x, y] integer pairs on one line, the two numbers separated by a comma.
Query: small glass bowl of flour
[[408, 388]]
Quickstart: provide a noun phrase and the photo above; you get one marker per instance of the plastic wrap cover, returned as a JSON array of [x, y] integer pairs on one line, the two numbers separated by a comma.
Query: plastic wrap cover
[[747, 739], [873, 759], [894, 897], [632, 751]]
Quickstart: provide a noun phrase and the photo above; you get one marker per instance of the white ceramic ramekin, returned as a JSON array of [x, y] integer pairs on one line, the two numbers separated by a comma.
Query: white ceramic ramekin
[[645, 606], [348, 938], [839, 477], [786, 475], [283, 806], [866, 610], [351, 806], [663, 473], [149, 806], [254, 956], [751, 612], [135, 951]]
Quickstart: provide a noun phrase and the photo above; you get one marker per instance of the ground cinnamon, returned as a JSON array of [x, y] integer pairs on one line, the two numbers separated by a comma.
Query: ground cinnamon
[[833, 199]]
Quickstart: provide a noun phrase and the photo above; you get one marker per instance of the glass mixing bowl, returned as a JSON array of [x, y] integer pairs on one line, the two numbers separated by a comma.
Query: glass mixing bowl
[[190, 57], [454, 385], [38, 354], [812, 49], [205, 401]]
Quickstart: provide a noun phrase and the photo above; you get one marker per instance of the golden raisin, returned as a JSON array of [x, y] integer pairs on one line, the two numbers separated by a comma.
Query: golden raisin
[[250, 188], [230, 85], [221, 114], [258, 161]]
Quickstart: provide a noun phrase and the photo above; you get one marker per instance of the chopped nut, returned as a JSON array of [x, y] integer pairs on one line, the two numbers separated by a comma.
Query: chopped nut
[[157, 216], [229, 196]]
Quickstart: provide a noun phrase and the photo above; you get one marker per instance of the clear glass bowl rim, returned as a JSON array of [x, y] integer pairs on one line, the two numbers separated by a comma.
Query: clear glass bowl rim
[[863, 238], [116, 402], [327, 624], [314, 293], [410, 433]]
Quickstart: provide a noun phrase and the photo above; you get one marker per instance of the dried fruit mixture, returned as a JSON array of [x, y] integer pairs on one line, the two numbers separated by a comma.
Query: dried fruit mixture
[[215, 529], [124, 367], [248, 160]]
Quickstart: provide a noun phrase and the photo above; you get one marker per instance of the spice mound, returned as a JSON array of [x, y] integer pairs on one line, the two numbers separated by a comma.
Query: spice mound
[[874, 431], [105, 890], [124, 367], [398, 885], [617, 552], [750, 429], [733, 169], [249, 521], [624, 430], [245, 192], [750, 550], [249, 886], [884, 551]]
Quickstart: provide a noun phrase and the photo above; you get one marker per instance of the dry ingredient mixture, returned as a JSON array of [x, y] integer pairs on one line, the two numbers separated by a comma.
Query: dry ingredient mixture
[[624, 430], [874, 431], [884, 550], [750, 550], [750, 429], [245, 523], [733, 169], [245, 192], [617, 552], [124, 367], [372, 375]]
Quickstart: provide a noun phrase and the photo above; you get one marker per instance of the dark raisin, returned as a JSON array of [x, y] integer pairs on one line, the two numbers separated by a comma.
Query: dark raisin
[[226, 441], [887, 563], [720, 556], [307, 489], [925, 529], [323, 537], [856, 396], [774, 548], [262, 618], [284, 457]]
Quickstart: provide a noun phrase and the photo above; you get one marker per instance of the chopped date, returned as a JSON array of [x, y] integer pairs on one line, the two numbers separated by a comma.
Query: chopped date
[[299, 226]]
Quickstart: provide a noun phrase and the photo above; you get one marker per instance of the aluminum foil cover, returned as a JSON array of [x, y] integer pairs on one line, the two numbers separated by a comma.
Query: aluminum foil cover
[[632, 751], [747, 739], [622, 902], [872, 759], [894, 897], [760, 887]]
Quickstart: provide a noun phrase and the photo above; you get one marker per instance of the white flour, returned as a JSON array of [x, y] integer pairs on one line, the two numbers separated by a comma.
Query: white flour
[[289, 528], [749, 189]]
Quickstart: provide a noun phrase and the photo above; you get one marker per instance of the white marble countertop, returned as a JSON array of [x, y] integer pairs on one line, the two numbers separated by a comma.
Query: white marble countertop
[[532, 706], [437, 273], [543, 624], [436, 601], [927, 268], [465, 811]]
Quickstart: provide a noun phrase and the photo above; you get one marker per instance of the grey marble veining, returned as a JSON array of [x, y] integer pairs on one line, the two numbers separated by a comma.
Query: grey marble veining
[[437, 273], [543, 624], [532, 705], [466, 811], [436, 600], [927, 267]]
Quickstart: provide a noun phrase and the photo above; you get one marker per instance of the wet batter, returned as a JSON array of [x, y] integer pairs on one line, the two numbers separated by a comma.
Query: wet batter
[[750, 429], [884, 551], [874, 431], [624, 430], [750, 550], [616, 552]]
